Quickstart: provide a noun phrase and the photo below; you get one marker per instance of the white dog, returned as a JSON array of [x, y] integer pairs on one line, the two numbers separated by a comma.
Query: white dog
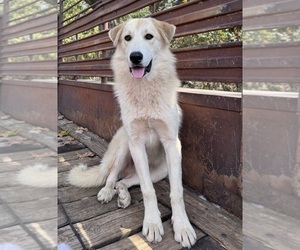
[[147, 148]]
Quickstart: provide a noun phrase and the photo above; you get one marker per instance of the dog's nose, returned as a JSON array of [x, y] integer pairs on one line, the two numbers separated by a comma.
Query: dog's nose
[[136, 57]]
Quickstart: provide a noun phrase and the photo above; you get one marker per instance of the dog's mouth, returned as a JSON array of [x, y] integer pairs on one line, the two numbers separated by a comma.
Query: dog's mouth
[[139, 72]]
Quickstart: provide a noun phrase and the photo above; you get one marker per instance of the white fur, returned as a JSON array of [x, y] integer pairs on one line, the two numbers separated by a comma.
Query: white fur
[[147, 148], [38, 175]]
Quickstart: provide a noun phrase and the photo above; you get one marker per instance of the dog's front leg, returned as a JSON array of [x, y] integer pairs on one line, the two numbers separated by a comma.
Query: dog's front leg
[[184, 232], [152, 225]]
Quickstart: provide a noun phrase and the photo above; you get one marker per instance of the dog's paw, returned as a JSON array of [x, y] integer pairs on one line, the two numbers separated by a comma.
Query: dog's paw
[[124, 198], [184, 232], [106, 194], [153, 231]]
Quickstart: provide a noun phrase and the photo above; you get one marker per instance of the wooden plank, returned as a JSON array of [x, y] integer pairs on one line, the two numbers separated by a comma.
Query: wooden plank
[[95, 143], [19, 236], [208, 243], [61, 217], [216, 222], [8, 140], [275, 230], [8, 179], [14, 166], [19, 193], [43, 136], [46, 232], [10, 157], [71, 193], [68, 147], [7, 219], [15, 148], [65, 141], [37, 210], [249, 243], [68, 165], [69, 156], [66, 235], [62, 179], [138, 241], [113, 226], [94, 208]]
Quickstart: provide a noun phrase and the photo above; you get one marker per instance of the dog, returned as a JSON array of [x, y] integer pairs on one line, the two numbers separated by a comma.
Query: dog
[[146, 148]]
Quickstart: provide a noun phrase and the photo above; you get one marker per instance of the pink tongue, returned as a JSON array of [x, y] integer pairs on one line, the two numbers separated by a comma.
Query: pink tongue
[[138, 72]]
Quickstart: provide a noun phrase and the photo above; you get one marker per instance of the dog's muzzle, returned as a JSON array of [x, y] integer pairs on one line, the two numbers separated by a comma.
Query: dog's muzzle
[[137, 70]]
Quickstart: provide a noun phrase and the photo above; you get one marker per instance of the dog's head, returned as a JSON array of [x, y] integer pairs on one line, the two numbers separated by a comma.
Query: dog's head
[[140, 41]]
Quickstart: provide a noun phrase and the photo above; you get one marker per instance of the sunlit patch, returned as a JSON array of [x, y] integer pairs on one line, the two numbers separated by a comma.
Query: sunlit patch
[[13, 164], [84, 234], [125, 231], [139, 242], [43, 234], [61, 159], [6, 159]]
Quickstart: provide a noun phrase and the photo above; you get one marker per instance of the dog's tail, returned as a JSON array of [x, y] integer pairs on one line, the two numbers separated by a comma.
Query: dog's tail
[[38, 175], [83, 176]]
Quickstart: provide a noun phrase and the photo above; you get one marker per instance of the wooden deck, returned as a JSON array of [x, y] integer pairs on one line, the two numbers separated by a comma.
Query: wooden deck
[[84, 223], [28, 216]]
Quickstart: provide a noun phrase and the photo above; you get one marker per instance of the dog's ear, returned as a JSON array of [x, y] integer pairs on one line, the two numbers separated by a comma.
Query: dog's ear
[[166, 30], [115, 33]]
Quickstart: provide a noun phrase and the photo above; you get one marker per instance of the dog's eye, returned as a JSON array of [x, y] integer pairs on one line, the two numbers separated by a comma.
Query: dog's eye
[[127, 38], [148, 36]]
